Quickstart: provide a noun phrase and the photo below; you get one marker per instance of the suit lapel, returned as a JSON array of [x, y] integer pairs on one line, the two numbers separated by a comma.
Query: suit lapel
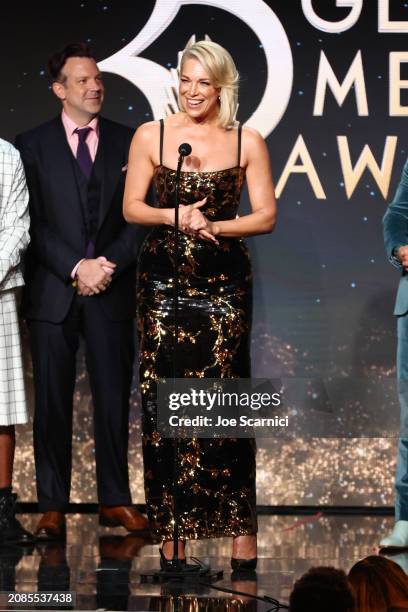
[[112, 156]]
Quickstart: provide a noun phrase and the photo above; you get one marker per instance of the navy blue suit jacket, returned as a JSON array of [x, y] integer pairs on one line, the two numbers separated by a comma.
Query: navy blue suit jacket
[[58, 224], [395, 224]]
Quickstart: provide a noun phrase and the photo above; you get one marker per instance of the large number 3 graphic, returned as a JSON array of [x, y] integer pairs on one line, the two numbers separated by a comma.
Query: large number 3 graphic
[[155, 80]]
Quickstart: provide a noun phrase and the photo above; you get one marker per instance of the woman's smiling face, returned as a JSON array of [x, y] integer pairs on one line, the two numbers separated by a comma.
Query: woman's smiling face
[[199, 96]]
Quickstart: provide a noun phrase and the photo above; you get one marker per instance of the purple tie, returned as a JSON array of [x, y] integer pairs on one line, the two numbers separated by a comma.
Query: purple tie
[[83, 155], [84, 160]]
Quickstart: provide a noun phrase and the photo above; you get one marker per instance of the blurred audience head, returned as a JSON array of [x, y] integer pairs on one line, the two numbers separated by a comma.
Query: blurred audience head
[[322, 589], [379, 584]]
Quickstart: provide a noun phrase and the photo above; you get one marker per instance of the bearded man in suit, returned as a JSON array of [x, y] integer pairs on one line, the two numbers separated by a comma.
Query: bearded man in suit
[[80, 280]]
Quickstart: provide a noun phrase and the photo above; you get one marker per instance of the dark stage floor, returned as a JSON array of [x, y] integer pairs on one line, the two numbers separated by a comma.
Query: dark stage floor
[[102, 566]]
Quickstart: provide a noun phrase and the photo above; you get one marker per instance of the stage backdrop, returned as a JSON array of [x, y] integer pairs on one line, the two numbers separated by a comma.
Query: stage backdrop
[[324, 82]]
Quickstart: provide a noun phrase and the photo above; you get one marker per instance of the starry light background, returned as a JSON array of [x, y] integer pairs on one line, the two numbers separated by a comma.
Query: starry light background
[[323, 289]]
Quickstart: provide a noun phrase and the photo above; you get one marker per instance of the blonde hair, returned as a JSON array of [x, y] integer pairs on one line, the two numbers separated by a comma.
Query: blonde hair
[[223, 74]]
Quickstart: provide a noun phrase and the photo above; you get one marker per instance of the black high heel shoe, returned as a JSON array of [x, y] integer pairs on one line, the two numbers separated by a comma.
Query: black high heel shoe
[[244, 565], [168, 564]]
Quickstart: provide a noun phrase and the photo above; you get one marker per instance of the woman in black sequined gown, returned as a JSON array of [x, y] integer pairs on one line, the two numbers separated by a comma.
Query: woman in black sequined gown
[[217, 476]]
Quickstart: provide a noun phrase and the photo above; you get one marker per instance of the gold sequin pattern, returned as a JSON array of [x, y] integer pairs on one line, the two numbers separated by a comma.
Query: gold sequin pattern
[[216, 477]]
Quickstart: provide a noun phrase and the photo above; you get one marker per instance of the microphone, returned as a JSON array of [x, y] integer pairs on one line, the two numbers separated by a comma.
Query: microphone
[[184, 149]]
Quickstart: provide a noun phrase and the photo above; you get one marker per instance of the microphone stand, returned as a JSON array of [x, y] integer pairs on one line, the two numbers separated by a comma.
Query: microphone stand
[[178, 570], [176, 565]]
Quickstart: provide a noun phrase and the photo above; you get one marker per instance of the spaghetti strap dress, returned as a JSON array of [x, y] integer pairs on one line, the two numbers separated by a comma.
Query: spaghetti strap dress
[[216, 477]]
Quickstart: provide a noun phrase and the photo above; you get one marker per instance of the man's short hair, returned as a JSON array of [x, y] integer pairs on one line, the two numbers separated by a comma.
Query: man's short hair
[[57, 60], [322, 589]]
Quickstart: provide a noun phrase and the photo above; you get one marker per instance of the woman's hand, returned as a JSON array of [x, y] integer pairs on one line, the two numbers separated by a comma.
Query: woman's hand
[[190, 215], [192, 221]]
